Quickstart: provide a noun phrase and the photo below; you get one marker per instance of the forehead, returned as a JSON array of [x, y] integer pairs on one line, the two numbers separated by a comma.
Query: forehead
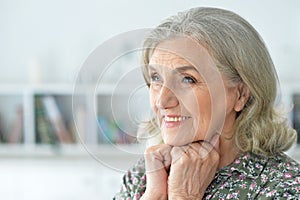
[[167, 59], [181, 52]]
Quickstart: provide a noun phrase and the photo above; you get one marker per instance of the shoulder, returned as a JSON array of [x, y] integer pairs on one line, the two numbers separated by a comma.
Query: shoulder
[[252, 176], [274, 176], [279, 166], [283, 169], [281, 177]]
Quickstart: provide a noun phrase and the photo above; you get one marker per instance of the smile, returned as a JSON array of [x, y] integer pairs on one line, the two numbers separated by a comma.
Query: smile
[[175, 118]]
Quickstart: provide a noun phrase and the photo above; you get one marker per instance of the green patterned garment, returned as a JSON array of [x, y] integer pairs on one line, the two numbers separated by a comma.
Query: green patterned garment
[[249, 177]]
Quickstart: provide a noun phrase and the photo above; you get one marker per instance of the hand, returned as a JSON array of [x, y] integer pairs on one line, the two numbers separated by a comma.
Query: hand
[[157, 161], [192, 170]]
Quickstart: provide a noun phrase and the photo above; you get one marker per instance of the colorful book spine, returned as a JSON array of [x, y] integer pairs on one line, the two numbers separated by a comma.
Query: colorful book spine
[[44, 132], [56, 119], [16, 133]]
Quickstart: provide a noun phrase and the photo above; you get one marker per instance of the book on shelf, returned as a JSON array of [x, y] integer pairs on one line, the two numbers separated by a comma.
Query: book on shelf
[[296, 115], [16, 133], [50, 124], [2, 132], [110, 132], [44, 131], [56, 119]]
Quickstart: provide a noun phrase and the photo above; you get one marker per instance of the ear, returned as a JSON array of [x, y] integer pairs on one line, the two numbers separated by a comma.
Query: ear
[[243, 94]]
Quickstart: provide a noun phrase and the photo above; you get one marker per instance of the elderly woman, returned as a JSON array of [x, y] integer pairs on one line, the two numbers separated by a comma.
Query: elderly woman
[[212, 88]]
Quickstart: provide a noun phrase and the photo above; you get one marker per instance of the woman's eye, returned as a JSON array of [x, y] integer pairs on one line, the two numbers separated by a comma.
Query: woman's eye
[[155, 78], [189, 80]]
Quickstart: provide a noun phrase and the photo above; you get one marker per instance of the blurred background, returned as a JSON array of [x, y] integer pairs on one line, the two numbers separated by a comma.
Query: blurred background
[[43, 46]]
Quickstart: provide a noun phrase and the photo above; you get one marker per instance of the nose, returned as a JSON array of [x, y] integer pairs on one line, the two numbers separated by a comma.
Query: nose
[[166, 98]]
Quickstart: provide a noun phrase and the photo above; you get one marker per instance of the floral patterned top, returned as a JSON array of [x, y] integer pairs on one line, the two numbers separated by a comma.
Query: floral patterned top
[[249, 177]]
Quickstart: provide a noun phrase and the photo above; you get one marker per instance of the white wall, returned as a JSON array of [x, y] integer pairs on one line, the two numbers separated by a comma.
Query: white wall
[[60, 34], [57, 179]]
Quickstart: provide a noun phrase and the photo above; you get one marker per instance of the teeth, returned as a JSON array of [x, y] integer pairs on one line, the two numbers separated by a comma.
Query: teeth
[[175, 119]]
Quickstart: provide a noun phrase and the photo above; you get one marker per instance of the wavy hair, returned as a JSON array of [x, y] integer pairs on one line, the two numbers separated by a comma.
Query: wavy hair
[[240, 54]]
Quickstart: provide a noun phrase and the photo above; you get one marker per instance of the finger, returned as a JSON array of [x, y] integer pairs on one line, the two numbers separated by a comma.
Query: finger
[[178, 152], [208, 148], [202, 148], [157, 157], [212, 143], [167, 159]]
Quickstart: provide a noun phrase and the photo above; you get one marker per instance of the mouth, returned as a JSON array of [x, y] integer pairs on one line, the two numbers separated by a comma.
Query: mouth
[[174, 120]]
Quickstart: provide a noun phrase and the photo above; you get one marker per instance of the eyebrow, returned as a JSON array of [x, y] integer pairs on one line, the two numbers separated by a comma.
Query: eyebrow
[[186, 68], [179, 69]]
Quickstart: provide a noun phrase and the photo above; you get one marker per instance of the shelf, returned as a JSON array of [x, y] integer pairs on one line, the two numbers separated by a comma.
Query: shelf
[[84, 103], [35, 88], [14, 151], [61, 88], [72, 101], [76, 150]]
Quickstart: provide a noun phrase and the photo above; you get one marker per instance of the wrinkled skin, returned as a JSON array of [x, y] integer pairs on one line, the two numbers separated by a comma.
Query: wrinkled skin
[[180, 172]]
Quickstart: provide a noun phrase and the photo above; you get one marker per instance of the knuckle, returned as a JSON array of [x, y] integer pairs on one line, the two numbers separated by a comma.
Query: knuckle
[[150, 149]]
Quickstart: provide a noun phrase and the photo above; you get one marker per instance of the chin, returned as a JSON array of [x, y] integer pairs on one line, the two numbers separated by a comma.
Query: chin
[[179, 137]]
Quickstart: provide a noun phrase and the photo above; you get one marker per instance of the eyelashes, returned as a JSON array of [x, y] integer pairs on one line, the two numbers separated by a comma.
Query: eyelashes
[[179, 79], [154, 77], [189, 79]]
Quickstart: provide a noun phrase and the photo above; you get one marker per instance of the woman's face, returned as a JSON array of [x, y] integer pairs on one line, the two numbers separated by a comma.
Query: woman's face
[[189, 96]]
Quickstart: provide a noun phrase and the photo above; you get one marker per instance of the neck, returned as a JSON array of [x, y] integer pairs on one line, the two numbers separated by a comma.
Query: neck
[[228, 151]]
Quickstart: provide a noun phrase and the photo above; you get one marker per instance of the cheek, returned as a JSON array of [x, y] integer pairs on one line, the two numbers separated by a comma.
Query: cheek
[[153, 99], [193, 103], [200, 108]]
